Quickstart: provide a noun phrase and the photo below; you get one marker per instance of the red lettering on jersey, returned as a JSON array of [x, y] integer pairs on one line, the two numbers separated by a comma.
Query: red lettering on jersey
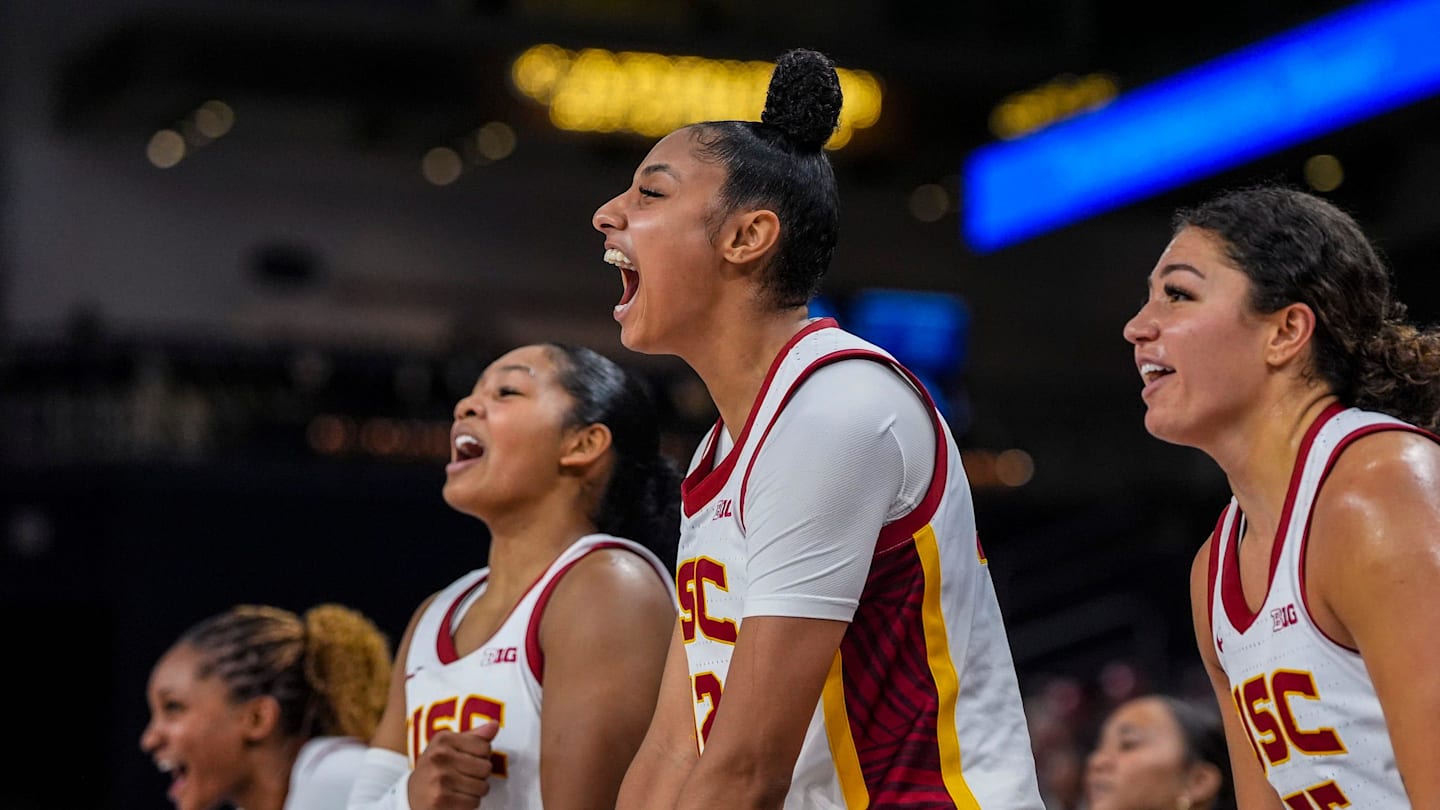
[[1285, 683], [476, 711], [723, 509], [1324, 796], [708, 688], [690, 582], [1271, 736]]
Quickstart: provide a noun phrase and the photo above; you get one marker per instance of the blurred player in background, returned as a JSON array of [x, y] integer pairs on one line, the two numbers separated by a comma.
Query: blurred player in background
[[1157, 751], [260, 708]]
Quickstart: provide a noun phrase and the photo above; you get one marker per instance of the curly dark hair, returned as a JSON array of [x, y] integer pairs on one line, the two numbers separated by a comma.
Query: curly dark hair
[[1298, 248]]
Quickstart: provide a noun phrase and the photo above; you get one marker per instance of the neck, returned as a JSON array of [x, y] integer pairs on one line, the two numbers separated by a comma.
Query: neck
[[733, 363], [1259, 456], [270, 782], [525, 541]]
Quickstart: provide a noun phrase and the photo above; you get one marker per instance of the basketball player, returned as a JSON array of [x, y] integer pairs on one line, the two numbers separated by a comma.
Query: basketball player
[[839, 644], [1159, 751], [530, 682], [1270, 341], [260, 708]]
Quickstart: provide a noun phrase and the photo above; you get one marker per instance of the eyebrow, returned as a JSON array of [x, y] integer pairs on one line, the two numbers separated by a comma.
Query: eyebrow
[[657, 168], [1177, 267], [1170, 269], [518, 367]]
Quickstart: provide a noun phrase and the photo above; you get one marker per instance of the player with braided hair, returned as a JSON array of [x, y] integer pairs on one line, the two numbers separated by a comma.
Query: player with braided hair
[[839, 642], [264, 709]]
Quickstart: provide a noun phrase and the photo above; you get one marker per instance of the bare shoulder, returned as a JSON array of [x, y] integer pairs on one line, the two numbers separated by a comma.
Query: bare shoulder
[[1382, 491], [609, 582]]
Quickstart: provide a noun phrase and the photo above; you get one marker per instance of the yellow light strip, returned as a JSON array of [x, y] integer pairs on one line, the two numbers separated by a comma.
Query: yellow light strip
[[651, 94], [1060, 98]]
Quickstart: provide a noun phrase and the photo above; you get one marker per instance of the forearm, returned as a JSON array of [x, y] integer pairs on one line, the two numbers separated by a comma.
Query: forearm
[[655, 777], [727, 782], [381, 783]]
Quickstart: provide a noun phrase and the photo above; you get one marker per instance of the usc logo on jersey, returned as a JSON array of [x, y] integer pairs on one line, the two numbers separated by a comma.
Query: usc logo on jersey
[[454, 714], [1264, 706], [690, 581]]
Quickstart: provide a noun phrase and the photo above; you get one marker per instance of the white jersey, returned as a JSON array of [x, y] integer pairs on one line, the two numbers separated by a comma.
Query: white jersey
[[500, 681], [921, 707], [1305, 700], [324, 771]]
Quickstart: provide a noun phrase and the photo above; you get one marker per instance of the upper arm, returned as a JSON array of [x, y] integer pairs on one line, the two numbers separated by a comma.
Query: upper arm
[[390, 732], [1252, 789], [1375, 566], [669, 749], [853, 450], [604, 634]]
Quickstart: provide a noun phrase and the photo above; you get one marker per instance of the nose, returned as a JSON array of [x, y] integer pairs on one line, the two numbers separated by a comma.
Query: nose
[[150, 738], [608, 216], [468, 407], [1099, 760], [1142, 327]]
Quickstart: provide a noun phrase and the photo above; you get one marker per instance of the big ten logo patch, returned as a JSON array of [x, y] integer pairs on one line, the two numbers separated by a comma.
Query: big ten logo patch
[[498, 655], [723, 509], [1283, 617]]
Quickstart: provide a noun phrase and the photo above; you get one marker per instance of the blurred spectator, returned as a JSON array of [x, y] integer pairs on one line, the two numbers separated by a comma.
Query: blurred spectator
[[1157, 751]]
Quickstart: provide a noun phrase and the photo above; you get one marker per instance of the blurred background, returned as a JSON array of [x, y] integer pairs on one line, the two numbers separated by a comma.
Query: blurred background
[[251, 252]]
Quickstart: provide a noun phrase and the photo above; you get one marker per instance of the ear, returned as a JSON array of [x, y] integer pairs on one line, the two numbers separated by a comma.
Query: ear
[[1292, 326], [1202, 784], [582, 446], [749, 236], [259, 718]]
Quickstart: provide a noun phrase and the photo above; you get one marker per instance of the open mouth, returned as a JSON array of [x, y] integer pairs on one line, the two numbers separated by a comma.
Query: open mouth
[[1150, 372], [629, 279], [467, 448], [177, 774]]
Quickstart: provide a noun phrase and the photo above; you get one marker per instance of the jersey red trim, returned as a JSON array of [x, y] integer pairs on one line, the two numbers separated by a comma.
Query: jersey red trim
[[533, 652], [1232, 593], [1345, 442], [445, 636], [706, 480], [1217, 546], [897, 532]]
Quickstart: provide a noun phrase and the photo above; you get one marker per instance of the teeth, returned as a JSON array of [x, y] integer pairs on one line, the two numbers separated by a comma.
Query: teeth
[[1152, 368], [165, 765], [465, 440], [616, 257]]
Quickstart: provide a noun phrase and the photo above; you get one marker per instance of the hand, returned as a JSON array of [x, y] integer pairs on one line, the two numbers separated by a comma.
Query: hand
[[453, 771]]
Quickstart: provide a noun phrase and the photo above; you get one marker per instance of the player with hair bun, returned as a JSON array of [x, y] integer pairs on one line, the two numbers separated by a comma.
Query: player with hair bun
[[839, 642]]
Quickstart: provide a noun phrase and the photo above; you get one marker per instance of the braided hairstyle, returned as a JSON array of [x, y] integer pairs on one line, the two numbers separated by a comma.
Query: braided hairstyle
[[779, 163], [329, 670], [641, 497], [1296, 247]]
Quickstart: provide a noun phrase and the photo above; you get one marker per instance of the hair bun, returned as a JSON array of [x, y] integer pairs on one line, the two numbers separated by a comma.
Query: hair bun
[[803, 101]]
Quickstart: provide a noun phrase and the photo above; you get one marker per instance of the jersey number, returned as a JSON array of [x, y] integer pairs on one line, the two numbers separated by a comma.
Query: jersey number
[[453, 714], [1323, 796], [707, 690]]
